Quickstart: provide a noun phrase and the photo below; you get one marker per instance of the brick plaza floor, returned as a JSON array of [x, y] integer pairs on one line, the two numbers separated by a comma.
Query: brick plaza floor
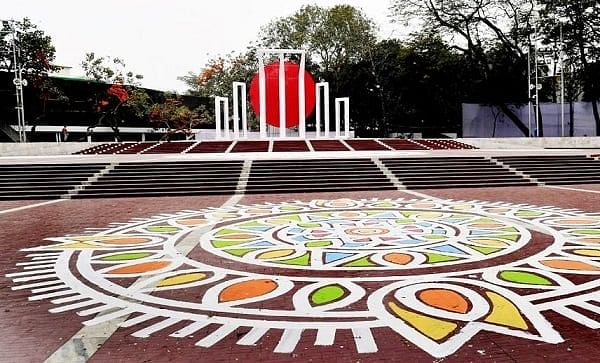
[[30, 333]]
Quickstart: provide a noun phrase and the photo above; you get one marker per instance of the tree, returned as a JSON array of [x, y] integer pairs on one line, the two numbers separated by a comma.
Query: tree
[[407, 87], [217, 76], [175, 116], [35, 57], [579, 24], [338, 35], [216, 79], [109, 70], [474, 27], [123, 100], [36, 52]]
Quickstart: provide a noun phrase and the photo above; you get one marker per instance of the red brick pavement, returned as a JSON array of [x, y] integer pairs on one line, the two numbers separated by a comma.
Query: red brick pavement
[[29, 333], [539, 196]]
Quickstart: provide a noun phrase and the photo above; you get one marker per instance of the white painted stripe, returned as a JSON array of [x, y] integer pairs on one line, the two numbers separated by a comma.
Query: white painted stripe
[[33, 267], [78, 305], [50, 288], [45, 258], [590, 307], [67, 299], [34, 278], [51, 295], [190, 329], [95, 310], [138, 319], [43, 254], [144, 333], [363, 338], [325, 336], [28, 273], [30, 206], [420, 195], [37, 284], [288, 341], [216, 336], [573, 189], [34, 264], [253, 336], [106, 317], [577, 317]]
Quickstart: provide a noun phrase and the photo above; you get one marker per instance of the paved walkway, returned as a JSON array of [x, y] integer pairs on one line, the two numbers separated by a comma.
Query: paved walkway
[[338, 276]]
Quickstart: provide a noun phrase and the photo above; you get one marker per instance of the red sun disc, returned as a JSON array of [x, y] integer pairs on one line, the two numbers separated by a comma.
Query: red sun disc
[[291, 93]]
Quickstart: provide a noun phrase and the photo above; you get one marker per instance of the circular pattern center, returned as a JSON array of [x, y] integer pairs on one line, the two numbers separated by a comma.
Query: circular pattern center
[[364, 239]]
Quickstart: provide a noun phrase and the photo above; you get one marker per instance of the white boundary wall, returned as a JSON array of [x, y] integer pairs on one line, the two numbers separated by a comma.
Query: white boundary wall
[[478, 120]]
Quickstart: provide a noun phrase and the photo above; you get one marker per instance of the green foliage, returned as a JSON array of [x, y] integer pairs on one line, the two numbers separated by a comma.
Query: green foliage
[[173, 115], [217, 76], [36, 52], [476, 27], [108, 70], [138, 104], [335, 36], [406, 88]]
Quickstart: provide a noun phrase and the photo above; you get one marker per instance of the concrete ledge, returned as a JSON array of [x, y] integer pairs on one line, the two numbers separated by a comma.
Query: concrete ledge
[[533, 142], [43, 148], [518, 143]]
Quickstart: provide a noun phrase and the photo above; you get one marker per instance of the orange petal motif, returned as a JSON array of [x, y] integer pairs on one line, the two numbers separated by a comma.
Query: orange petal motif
[[572, 265], [247, 289], [140, 268], [445, 299], [125, 240], [398, 258]]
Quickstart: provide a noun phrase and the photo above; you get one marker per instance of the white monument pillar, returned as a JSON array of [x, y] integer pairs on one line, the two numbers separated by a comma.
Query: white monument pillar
[[325, 94], [219, 113], [239, 88], [262, 96], [338, 104]]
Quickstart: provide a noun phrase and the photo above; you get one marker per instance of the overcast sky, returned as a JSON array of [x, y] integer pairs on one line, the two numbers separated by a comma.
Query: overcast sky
[[163, 39]]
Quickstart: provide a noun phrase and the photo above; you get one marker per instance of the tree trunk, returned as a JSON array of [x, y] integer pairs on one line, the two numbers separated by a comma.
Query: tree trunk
[[540, 132], [596, 115], [571, 119]]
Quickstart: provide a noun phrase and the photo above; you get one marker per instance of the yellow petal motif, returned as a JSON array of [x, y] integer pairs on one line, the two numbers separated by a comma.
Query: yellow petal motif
[[433, 328]]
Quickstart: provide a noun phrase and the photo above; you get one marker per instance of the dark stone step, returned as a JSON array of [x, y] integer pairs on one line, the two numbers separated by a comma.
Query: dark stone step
[[182, 162], [164, 184], [253, 185], [319, 189], [463, 181], [164, 193], [565, 181], [30, 196], [211, 173], [440, 159], [465, 185], [317, 177], [459, 177]]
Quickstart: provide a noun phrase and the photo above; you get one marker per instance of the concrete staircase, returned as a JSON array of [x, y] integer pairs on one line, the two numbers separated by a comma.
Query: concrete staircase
[[318, 175], [452, 172], [181, 178], [556, 170], [43, 181], [175, 178]]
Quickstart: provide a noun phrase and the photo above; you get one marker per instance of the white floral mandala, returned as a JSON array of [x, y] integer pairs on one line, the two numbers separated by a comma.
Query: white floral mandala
[[436, 272]]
